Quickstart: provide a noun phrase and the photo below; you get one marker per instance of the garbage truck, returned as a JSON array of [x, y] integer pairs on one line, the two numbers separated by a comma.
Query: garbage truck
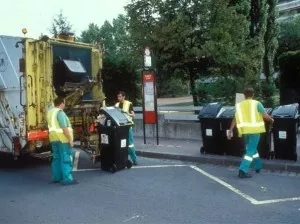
[[35, 71]]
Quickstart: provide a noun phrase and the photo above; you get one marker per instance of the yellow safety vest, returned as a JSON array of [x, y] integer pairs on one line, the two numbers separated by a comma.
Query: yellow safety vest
[[126, 106], [248, 119], [55, 131]]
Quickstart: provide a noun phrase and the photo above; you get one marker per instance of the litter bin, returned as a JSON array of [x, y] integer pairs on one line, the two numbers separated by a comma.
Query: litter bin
[[210, 128], [113, 128], [285, 131], [264, 145], [235, 146]]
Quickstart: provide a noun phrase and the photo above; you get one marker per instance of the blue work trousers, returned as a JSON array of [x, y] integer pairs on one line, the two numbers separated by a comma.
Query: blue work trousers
[[62, 162], [252, 141]]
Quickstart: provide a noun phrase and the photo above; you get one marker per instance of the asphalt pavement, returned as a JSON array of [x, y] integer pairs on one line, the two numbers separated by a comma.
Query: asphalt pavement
[[157, 191], [189, 151]]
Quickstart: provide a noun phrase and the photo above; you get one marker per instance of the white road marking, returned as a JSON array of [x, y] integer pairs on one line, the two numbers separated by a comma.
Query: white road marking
[[228, 186], [245, 196], [134, 167], [158, 166], [277, 200], [223, 183], [76, 160], [85, 170]]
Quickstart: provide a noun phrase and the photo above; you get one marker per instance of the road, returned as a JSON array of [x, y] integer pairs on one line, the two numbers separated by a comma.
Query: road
[[156, 192]]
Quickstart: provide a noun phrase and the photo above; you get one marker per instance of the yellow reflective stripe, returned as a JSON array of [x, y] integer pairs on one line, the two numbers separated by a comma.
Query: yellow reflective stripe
[[255, 155], [130, 146], [248, 158], [246, 124], [239, 113], [253, 111]]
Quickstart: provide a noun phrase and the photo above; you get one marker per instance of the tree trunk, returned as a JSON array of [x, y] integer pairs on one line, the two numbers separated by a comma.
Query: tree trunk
[[193, 86]]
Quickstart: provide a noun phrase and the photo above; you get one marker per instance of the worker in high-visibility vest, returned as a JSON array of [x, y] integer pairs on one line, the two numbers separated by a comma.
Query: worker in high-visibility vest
[[127, 107], [61, 139], [249, 120]]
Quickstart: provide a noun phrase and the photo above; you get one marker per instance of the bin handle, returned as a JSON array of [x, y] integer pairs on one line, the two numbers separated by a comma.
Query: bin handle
[[21, 91]]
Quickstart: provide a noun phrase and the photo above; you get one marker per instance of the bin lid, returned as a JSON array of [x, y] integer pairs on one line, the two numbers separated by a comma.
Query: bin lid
[[286, 111], [228, 112], [211, 110], [117, 115]]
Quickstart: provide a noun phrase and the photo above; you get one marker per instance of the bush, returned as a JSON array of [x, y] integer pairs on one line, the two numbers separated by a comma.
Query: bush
[[174, 87], [221, 89]]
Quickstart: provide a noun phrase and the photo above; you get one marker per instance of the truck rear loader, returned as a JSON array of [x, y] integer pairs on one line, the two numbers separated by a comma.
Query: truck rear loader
[[35, 71]]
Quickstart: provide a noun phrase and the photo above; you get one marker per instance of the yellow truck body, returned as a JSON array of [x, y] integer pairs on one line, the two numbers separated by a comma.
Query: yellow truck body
[[35, 72]]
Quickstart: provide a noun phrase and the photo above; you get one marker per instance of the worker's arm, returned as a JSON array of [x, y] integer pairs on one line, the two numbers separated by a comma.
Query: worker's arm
[[63, 124], [268, 118], [230, 131], [265, 115], [131, 111]]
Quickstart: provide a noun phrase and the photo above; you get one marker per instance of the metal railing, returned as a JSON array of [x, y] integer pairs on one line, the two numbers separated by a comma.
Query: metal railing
[[182, 113]]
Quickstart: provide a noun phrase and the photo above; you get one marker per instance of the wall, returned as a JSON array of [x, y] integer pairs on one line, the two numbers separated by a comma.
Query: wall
[[173, 129]]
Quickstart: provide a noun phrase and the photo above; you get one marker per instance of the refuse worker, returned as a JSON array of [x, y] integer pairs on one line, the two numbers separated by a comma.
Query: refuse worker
[[127, 107], [249, 120], [61, 138]]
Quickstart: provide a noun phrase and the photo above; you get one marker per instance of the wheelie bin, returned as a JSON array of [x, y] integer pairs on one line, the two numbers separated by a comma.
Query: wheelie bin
[[210, 129], [264, 145], [113, 129], [235, 146], [285, 131]]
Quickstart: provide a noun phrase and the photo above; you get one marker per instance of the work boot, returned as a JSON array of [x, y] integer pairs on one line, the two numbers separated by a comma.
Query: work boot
[[257, 171], [70, 183], [242, 174]]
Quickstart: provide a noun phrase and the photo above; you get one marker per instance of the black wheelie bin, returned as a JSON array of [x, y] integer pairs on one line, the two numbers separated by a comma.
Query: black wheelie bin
[[235, 146], [264, 145], [210, 129], [285, 128], [113, 128]]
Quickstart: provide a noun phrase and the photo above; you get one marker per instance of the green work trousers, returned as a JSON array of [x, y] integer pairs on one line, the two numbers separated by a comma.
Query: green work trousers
[[252, 141], [62, 162]]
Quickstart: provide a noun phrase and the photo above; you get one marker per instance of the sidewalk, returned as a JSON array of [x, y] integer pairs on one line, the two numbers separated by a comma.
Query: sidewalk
[[189, 151]]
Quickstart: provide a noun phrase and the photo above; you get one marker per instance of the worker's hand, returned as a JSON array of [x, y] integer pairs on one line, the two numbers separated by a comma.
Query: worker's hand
[[71, 143], [229, 134]]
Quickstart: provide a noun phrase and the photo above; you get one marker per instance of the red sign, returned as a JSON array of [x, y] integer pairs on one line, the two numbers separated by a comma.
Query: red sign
[[149, 97]]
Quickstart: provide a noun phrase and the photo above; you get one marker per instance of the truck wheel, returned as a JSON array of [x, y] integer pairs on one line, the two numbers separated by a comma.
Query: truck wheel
[[113, 168], [128, 164]]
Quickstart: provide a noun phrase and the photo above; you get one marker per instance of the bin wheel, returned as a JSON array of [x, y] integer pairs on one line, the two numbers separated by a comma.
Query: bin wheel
[[202, 150], [113, 168], [295, 157], [128, 164]]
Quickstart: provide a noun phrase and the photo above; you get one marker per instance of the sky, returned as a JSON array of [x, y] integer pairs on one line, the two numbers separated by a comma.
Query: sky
[[37, 15]]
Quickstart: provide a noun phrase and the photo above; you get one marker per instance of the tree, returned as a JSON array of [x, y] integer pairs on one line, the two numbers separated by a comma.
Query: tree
[[271, 44], [289, 35], [91, 34], [120, 63], [60, 25]]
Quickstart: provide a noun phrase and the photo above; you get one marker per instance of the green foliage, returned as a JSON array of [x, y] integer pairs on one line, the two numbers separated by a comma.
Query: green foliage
[[221, 89], [267, 94], [121, 63], [60, 25], [119, 76], [289, 36], [174, 87], [289, 77]]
